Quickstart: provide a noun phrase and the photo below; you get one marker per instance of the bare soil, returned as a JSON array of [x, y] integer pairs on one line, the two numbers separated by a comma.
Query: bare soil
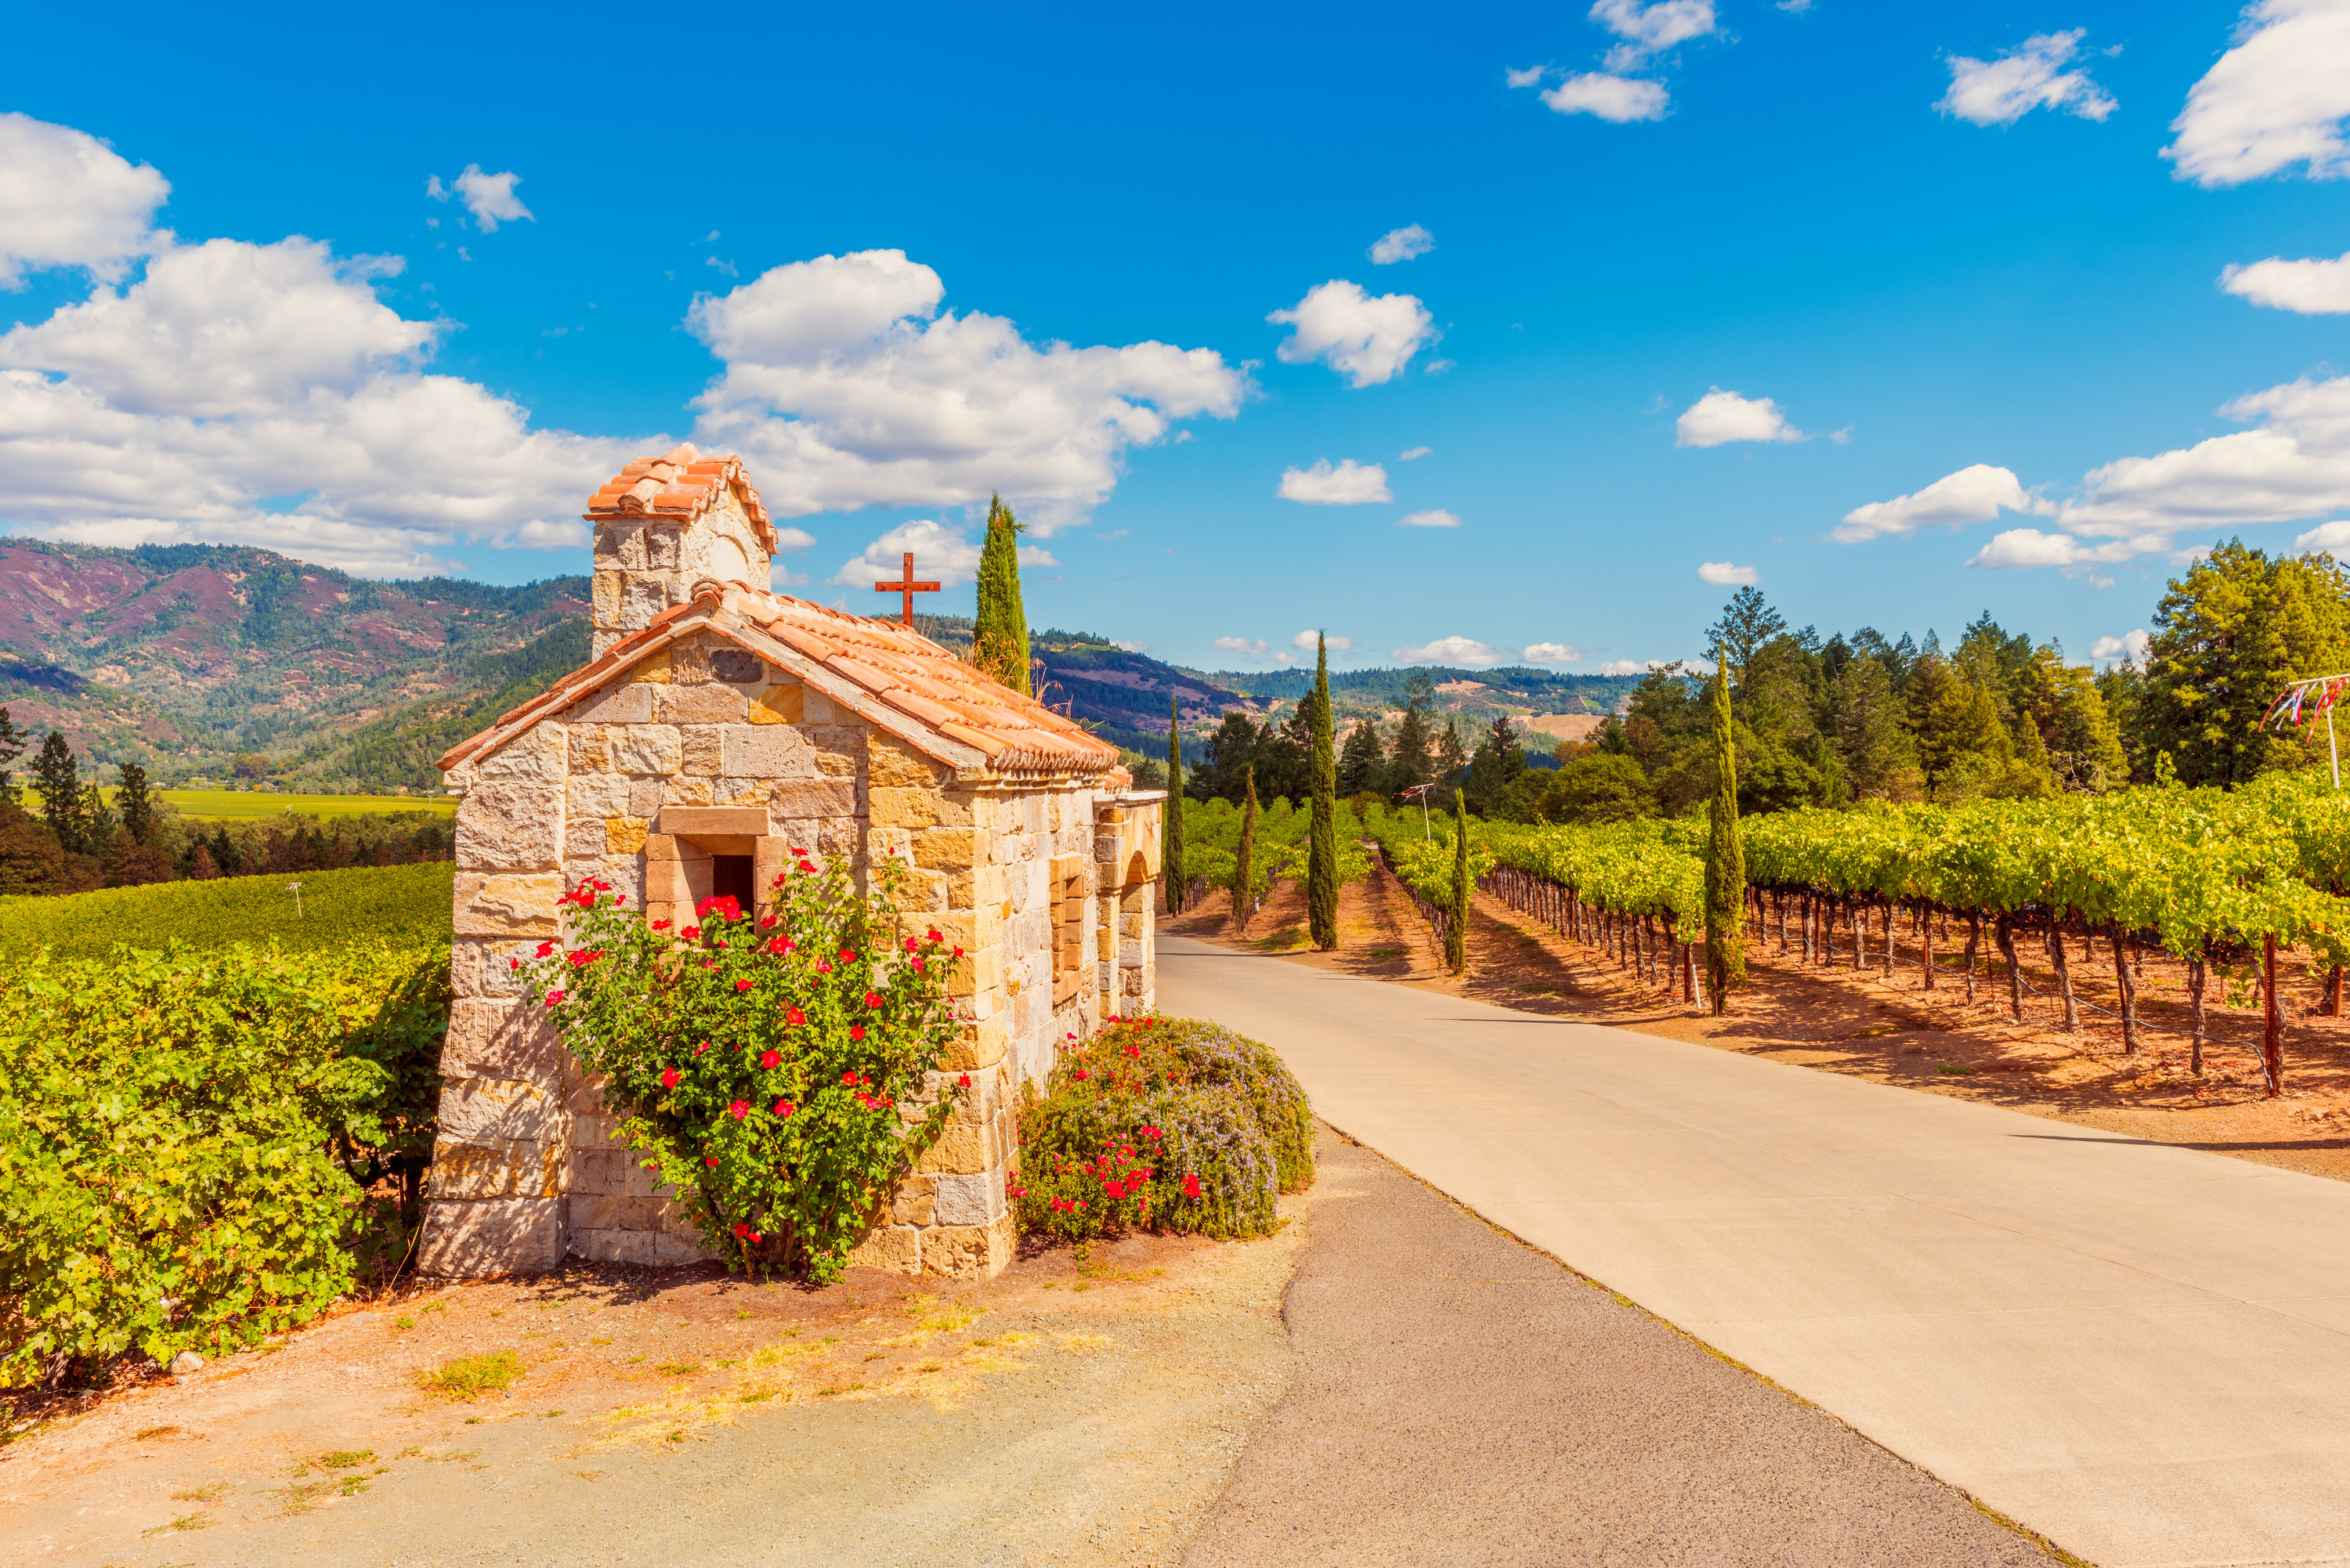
[[1892, 1031], [1073, 1409]]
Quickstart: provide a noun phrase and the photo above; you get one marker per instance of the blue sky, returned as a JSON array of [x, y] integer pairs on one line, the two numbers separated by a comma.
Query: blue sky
[[1969, 259]]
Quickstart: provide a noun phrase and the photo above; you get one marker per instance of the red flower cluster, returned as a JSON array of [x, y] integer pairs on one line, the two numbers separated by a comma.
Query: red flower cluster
[[784, 1107], [692, 933], [857, 1032], [769, 1058], [669, 1078], [872, 998], [1190, 1187], [725, 903], [744, 1232], [798, 1017], [739, 1109], [581, 961], [779, 945], [553, 997], [743, 985], [660, 925]]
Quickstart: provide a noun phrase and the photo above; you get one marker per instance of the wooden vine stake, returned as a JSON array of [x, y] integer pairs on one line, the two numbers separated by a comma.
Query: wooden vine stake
[[2272, 1022]]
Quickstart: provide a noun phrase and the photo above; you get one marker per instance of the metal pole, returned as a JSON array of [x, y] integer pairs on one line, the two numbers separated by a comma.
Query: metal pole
[[2332, 748]]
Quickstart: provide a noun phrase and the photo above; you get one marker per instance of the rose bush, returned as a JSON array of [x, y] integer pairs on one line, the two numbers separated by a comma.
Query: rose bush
[[1168, 1124], [780, 1074]]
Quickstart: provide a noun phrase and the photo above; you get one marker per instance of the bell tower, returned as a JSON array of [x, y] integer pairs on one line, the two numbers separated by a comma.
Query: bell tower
[[666, 523]]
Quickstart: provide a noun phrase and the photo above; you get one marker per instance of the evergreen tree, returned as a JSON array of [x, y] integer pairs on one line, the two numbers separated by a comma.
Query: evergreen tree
[[1725, 862], [1322, 854], [1407, 758], [1879, 759], [1000, 635], [1450, 762], [137, 802], [1497, 763], [200, 864], [1746, 626], [1456, 929], [97, 824], [1171, 842], [12, 743], [1243, 858], [57, 779], [1362, 763]]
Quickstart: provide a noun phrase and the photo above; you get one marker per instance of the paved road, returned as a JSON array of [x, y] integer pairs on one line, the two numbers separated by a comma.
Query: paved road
[[2139, 1350], [1462, 1399]]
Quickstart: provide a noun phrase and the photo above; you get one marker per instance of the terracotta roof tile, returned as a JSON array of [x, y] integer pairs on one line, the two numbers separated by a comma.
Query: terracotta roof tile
[[680, 485]]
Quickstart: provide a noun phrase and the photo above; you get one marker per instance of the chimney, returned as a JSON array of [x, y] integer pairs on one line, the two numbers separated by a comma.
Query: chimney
[[666, 523]]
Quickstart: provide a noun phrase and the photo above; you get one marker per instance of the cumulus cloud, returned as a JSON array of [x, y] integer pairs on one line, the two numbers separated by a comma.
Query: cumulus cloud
[[1552, 653], [845, 387], [2318, 288], [1350, 483], [1618, 99], [1720, 417], [941, 555], [1130, 647], [1623, 667], [1976, 493], [1651, 28], [2028, 76], [1401, 244], [1456, 651], [1415, 454], [68, 199], [2131, 645], [489, 197], [1436, 517], [2275, 101], [1723, 575], [1305, 639], [2332, 538], [1247, 648], [1368, 340], [2296, 464]]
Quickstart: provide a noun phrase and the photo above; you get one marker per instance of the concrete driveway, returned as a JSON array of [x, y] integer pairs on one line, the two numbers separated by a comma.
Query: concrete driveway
[[2141, 1351]]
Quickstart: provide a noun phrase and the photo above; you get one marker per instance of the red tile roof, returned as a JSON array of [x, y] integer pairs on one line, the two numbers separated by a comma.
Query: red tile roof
[[886, 673], [679, 486]]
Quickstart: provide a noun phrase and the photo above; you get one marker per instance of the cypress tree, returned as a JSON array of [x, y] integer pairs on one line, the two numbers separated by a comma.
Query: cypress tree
[[1242, 867], [1456, 929], [1000, 634], [1171, 842], [13, 742], [1725, 862], [56, 778], [1322, 852]]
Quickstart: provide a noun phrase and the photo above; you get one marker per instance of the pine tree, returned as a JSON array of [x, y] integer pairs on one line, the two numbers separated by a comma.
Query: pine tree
[[1362, 760], [1452, 760], [13, 743], [1322, 854], [1725, 862], [1171, 842], [137, 803], [56, 778], [200, 864], [1000, 635], [1456, 929], [1407, 758], [1243, 869], [98, 821]]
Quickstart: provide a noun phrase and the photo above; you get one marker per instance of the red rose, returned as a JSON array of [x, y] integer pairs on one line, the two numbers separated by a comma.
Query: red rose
[[515, 963], [691, 932], [1081, 1074], [910, 944], [769, 1058], [784, 1107], [768, 922], [780, 945], [660, 925], [669, 1078], [936, 938], [741, 985], [711, 1160], [806, 867], [798, 1017], [872, 998], [739, 1109], [963, 1082], [917, 966], [1190, 1187], [545, 949], [822, 966], [618, 899], [958, 953], [857, 1032], [553, 997]]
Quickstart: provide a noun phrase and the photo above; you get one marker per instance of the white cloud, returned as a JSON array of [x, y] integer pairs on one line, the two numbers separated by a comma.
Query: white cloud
[[2016, 547], [1723, 575], [1368, 340], [2132, 646], [1720, 417], [2333, 538], [941, 555], [1651, 28], [845, 388], [1619, 99], [1435, 518], [1552, 653], [2028, 76], [1625, 667], [1456, 651], [2278, 98], [1130, 647], [1415, 454], [1795, 8], [2296, 464], [1526, 78], [67, 198], [489, 197], [1305, 639], [1351, 483], [1241, 645], [1401, 244], [2318, 288], [1976, 493]]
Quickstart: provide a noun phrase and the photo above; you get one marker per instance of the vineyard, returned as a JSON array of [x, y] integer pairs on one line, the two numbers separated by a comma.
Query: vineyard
[[406, 905], [2221, 882], [1212, 836]]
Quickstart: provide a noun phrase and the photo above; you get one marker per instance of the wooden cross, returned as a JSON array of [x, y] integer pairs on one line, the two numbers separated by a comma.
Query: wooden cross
[[907, 587]]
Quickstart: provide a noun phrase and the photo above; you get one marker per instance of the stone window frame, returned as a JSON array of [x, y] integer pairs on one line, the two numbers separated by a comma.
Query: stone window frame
[[1068, 910]]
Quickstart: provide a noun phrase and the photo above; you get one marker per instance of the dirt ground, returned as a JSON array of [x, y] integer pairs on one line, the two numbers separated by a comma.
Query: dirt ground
[[1073, 1409], [1894, 1031]]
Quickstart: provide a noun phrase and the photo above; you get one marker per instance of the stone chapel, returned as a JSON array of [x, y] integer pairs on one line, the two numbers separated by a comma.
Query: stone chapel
[[718, 721]]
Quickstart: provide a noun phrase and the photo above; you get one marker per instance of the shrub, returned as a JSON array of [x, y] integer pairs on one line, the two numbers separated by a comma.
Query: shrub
[[169, 1130], [470, 1377], [780, 1074], [1171, 1124]]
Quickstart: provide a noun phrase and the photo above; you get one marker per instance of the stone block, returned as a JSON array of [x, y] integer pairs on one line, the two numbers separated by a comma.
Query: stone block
[[896, 1247], [948, 848], [506, 906], [765, 751], [702, 755], [645, 749], [631, 703], [470, 1239], [596, 794], [540, 754], [589, 752], [969, 1251], [961, 1149], [797, 800], [497, 1167], [969, 1199], [666, 882], [728, 820], [672, 1250], [901, 807], [582, 839], [478, 967], [646, 797], [510, 827], [912, 1203], [779, 705], [892, 764], [625, 834], [645, 597], [613, 1246], [605, 592], [476, 1110], [700, 705], [498, 1038], [597, 1173], [683, 789], [594, 1212]]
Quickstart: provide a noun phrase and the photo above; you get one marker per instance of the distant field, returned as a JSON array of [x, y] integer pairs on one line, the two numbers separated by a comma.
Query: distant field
[[241, 805], [405, 905]]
